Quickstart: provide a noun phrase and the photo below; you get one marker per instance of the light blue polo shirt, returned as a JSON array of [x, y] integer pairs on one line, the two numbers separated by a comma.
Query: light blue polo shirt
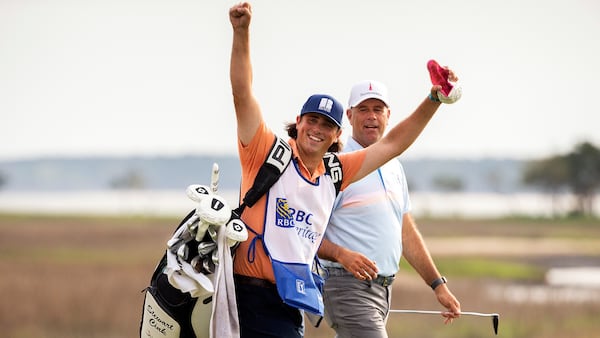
[[367, 215]]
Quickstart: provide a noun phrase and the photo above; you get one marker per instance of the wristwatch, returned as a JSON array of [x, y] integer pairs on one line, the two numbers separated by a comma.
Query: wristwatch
[[438, 282]]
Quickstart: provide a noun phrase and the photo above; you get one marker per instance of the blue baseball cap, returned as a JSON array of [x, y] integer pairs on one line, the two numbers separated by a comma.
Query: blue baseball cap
[[325, 105]]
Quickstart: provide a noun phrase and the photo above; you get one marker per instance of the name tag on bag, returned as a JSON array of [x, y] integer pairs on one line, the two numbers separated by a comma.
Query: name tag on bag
[[156, 322]]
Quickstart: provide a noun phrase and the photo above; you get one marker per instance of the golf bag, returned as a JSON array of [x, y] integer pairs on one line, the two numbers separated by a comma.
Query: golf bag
[[169, 311]]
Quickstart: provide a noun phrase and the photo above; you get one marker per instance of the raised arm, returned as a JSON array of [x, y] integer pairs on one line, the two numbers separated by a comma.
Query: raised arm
[[402, 135], [247, 110]]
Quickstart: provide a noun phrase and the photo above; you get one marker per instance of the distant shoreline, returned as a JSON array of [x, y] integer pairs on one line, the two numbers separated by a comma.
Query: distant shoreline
[[175, 203]]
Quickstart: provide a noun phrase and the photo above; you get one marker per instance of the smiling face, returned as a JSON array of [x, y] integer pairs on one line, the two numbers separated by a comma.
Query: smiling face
[[316, 133], [369, 120]]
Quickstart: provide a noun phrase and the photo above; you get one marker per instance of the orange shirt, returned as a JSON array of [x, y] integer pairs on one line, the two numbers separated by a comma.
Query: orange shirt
[[252, 156]]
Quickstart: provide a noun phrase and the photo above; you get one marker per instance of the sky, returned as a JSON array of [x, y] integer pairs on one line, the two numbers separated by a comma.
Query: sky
[[151, 77]]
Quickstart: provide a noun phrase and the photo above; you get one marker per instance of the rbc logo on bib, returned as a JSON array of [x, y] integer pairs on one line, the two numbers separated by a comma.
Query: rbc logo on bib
[[283, 215]]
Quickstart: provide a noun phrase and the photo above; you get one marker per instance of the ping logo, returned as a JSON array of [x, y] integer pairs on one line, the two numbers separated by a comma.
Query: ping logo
[[283, 214], [237, 225], [280, 155], [326, 104], [202, 190], [217, 205], [300, 286], [335, 169]]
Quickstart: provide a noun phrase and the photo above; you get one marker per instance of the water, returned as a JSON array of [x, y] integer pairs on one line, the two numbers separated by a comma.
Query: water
[[580, 277], [115, 202], [579, 285], [175, 202]]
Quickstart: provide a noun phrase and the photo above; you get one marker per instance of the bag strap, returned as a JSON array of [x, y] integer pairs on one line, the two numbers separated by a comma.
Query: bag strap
[[275, 164], [333, 168]]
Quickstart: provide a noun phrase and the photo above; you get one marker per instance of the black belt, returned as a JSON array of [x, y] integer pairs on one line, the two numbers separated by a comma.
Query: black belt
[[263, 283], [384, 280], [381, 280]]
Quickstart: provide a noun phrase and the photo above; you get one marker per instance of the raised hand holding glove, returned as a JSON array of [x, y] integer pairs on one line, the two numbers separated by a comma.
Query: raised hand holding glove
[[443, 76]]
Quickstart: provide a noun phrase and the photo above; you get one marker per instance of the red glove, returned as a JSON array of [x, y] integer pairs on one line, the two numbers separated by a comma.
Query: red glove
[[439, 76]]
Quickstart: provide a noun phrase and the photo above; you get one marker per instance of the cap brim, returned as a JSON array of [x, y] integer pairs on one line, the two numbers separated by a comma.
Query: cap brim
[[323, 114], [369, 96]]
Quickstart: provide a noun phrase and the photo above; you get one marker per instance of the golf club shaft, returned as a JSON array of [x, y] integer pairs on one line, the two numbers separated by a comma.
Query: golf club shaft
[[428, 312], [495, 316], [214, 178]]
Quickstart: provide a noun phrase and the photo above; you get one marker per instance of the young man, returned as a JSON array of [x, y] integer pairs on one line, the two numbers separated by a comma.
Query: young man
[[286, 226], [369, 230]]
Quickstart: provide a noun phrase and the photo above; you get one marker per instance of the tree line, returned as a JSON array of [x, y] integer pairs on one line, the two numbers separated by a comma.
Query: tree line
[[576, 172]]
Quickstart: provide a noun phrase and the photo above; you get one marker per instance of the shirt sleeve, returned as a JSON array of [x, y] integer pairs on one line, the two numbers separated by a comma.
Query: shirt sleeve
[[351, 163]]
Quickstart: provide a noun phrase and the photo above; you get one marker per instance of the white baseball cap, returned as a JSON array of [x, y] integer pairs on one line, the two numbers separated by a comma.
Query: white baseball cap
[[368, 89]]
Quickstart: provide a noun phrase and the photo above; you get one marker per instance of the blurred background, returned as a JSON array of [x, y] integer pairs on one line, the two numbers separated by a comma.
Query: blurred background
[[110, 109]]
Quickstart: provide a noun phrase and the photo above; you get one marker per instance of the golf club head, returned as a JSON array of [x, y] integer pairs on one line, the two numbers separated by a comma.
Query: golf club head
[[189, 223], [205, 248], [215, 257], [495, 319], [208, 266], [196, 264], [174, 243], [204, 264], [198, 192], [183, 252]]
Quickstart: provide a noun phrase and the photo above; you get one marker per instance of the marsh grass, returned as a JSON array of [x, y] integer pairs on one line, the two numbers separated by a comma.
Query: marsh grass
[[499, 269], [80, 276]]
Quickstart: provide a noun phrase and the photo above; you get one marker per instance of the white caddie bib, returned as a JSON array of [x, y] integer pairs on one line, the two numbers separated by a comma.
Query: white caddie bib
[[296, 217]]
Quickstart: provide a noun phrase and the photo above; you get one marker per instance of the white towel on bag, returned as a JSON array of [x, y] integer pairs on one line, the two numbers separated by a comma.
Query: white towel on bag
[[224, 320]]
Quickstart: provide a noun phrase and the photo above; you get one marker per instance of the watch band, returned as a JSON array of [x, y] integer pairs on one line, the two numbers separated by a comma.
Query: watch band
[[438, 282]]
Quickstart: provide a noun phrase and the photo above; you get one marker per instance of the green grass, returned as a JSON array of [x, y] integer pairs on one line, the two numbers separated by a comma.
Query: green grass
[[483, 268], [524, 227]]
